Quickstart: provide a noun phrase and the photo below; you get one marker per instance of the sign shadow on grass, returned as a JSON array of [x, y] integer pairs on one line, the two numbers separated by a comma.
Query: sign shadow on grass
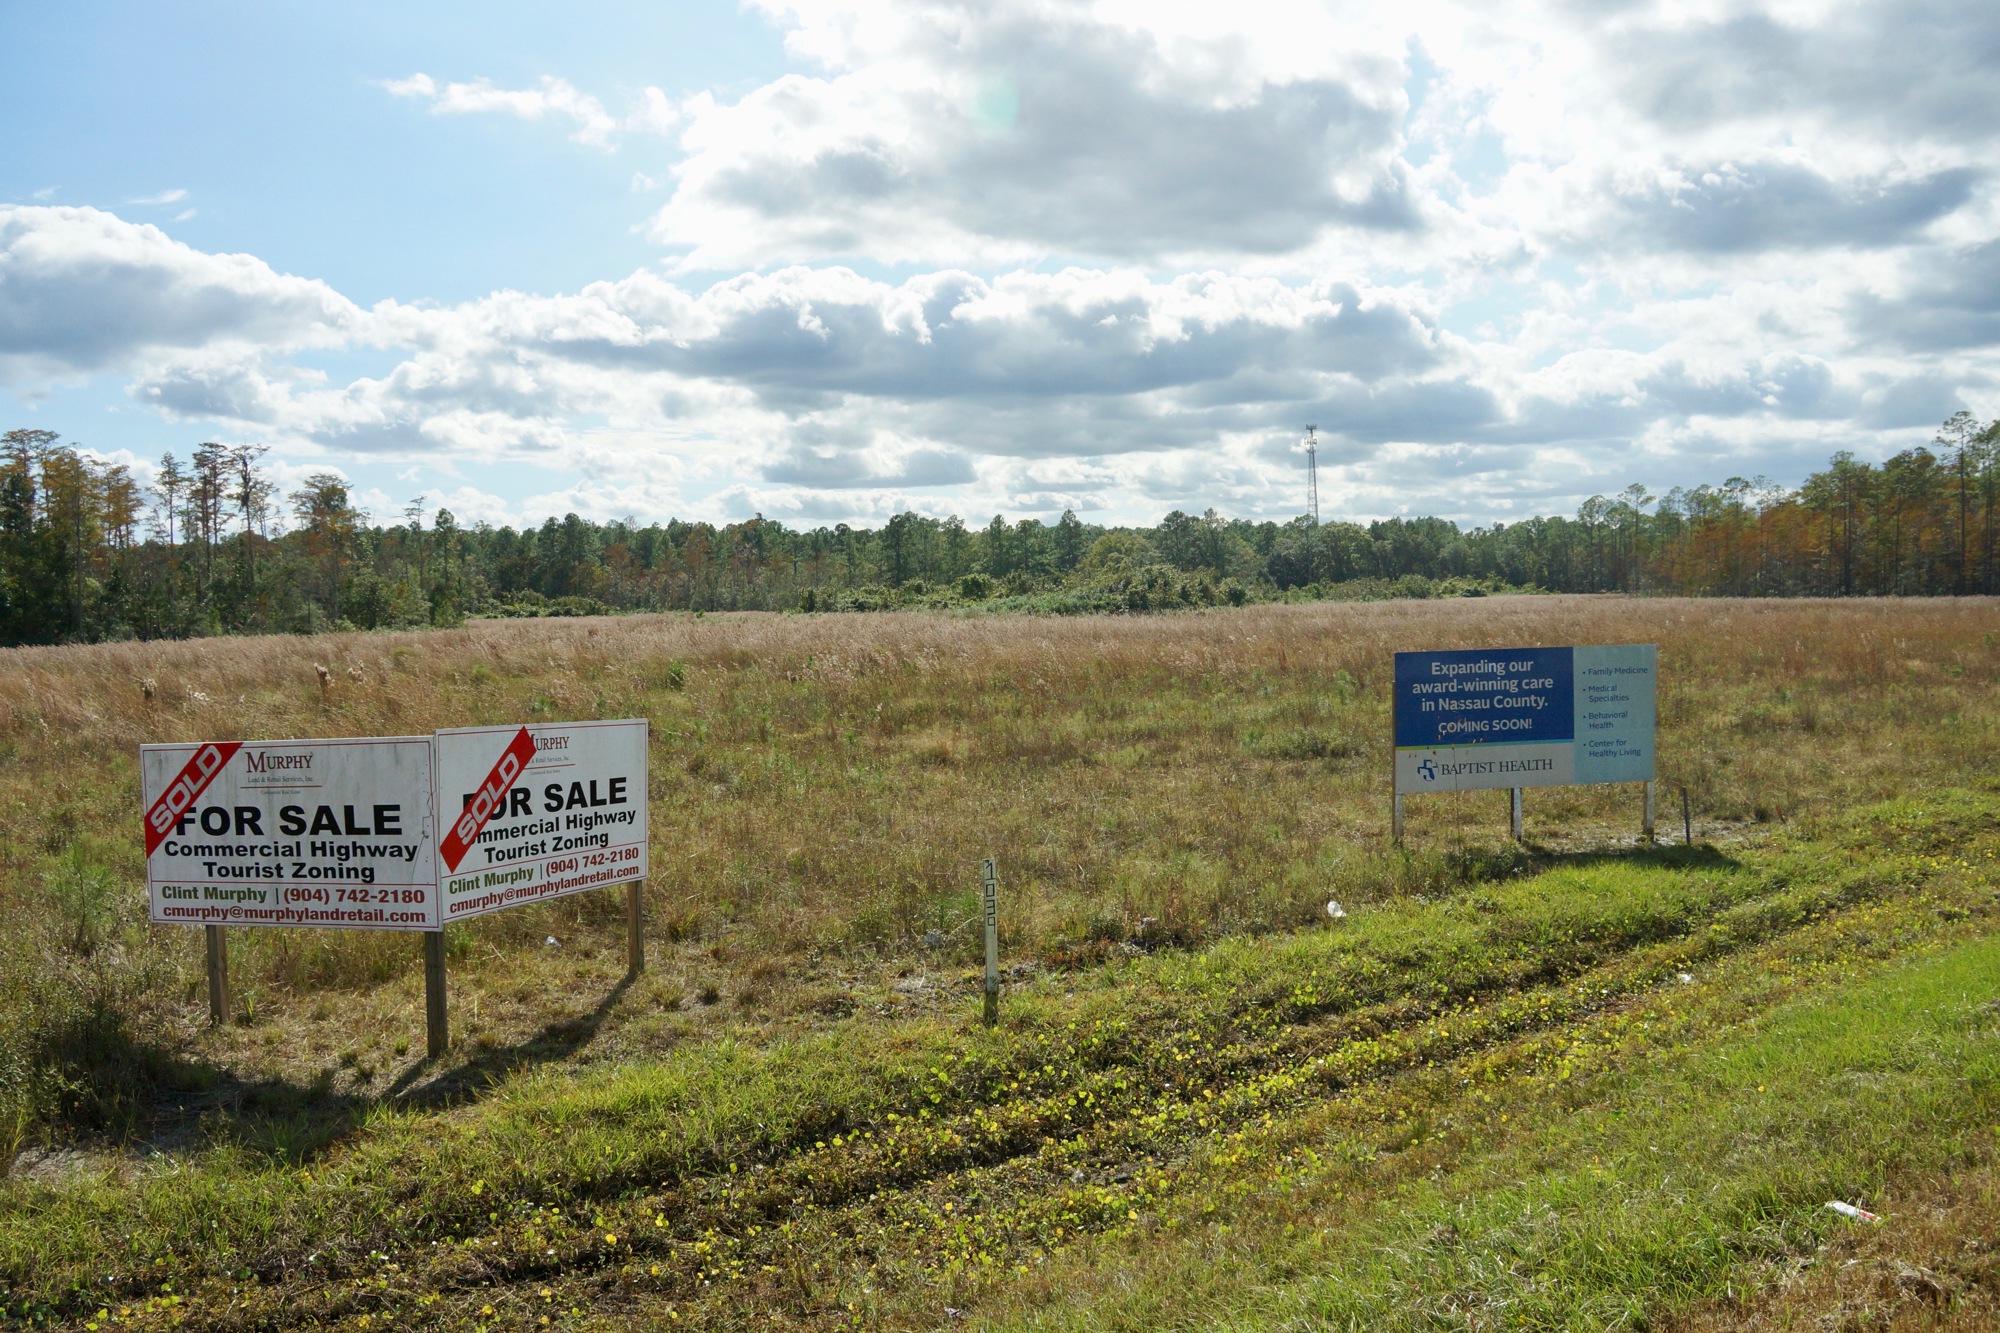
[[187, 1104]]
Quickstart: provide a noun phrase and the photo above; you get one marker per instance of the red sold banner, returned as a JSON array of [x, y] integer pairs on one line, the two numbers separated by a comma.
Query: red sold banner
[[188, 785], [489, 799]]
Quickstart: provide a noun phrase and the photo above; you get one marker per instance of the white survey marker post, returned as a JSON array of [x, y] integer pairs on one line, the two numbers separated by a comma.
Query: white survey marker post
[[530, 813], [989, 879], [291, 833]]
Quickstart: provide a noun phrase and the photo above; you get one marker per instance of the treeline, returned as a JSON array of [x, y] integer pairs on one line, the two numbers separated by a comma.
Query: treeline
[[211, 547]]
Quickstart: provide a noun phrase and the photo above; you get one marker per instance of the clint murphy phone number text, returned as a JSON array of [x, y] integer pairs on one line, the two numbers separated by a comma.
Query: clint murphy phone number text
[[359, 897], [555, 866]]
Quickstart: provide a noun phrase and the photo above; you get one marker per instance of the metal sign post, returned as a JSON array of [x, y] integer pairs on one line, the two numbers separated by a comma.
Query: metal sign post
[[990, 877], [1514, 822]]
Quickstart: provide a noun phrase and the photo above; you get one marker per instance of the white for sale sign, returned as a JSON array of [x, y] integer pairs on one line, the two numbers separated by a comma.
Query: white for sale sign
[[537, 812], [291, 833]]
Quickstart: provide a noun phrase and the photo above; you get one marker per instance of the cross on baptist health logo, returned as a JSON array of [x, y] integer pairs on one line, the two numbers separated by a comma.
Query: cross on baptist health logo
[[1428, 771]]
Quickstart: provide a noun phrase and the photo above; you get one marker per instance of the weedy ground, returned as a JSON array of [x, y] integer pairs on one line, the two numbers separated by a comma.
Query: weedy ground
[[1583, 1083]]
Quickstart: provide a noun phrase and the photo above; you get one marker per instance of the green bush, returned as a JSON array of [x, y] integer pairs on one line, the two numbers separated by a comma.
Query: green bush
[[84, 895], [531, 605]]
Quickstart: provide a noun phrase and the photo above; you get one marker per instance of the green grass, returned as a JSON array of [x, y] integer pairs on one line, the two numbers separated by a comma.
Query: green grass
[[1656, 1190], [1497, 1107]]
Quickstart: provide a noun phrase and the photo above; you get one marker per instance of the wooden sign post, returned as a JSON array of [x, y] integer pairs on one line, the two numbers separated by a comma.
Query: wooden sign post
[[990, 878], [635, 938], [218, 977], [437, 1032]]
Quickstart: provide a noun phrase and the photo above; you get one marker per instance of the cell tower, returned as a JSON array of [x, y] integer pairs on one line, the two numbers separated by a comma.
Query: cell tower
[[1312, 473]]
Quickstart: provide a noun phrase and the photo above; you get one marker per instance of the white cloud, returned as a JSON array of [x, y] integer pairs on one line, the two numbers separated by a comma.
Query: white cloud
[[1026, 254], [993, 134], [553, 97], [164, 197], [84, 290], [819, 391], [1281, 136]]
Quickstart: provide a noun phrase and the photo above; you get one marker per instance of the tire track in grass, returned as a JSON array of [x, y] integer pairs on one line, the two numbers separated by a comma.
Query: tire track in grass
[[888, 1203], [1591, 1023], [1043, 1065]]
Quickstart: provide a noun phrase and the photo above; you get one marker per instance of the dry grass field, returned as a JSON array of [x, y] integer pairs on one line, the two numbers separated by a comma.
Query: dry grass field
[[1173, 800]]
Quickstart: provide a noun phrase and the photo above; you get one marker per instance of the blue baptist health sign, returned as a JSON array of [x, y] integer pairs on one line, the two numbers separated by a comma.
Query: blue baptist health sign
[[1469, 719]]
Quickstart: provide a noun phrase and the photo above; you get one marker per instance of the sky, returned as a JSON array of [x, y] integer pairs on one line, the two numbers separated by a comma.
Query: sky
[[832, 260]]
